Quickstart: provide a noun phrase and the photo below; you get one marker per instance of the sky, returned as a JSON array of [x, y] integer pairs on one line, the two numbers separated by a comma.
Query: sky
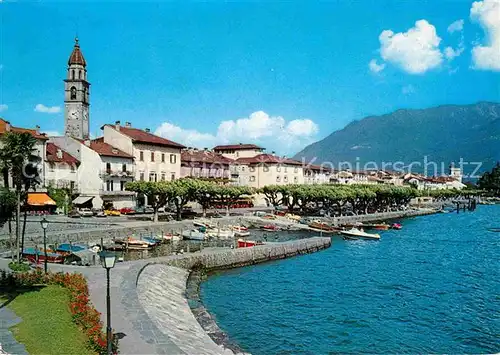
[[281, 75]]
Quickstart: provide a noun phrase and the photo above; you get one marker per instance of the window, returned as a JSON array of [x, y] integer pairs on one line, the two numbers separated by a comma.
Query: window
[[172, 177], [237, 154], [242, 168], [108, 168], [285, 169], [295, 179], [51, 166], [109, 185], [79, 74], [173, 159], [285, 178], [152, 156], [163, 176], [278, 168], [251, 169], [72, 185], [73, 93], [122, 185], [124, 168], [252, 178], [141, 155], [152, 177], [278, 178], [72, 167], [265, 169], [296, 170], [163, 157], [72, 74], [141, 176]]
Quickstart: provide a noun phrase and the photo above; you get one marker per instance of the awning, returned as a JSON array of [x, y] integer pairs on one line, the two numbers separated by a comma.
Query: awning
[[80, 200], [40, 199]]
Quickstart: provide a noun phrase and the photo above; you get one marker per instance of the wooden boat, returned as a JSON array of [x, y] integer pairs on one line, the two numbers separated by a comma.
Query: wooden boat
[[323, 226], [38, 255], [355, 233], [66, 249], [497, 230], [171, 237], [248, 243], [220, 233], [396, 226], [271, 228], [240, 231], [203, 223], [194, 234], [381, 227]]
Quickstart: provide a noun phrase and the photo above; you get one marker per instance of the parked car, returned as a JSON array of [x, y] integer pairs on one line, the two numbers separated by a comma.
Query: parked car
[[101, 214], [112, 212], [127, 210], [74, 214], [86, 212], [149, 210]]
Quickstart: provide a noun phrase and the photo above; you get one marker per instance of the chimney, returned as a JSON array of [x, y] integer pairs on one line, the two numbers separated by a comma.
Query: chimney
[[273, 153], [37, 128], [147, 130], [205, 149], [7, 126], [117, 125], [87, 142], [127, 124], [59, 154]]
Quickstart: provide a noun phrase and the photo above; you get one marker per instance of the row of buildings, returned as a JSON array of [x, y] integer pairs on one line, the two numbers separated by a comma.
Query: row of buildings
[[97, 170]]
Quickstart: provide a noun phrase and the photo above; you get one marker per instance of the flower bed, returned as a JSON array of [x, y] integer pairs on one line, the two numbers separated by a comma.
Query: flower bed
[[84, 315]]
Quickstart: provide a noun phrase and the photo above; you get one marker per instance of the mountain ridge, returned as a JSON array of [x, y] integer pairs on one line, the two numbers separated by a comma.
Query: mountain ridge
[[443, 133]]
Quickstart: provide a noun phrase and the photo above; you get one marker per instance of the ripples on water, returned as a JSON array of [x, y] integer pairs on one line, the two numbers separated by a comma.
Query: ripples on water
[[432, 287]]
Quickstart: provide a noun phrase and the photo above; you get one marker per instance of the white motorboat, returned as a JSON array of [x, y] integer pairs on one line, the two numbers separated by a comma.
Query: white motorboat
[[241, 233], [220, 233], [356, 233], [171, 237], [203, 223], [193, 234]]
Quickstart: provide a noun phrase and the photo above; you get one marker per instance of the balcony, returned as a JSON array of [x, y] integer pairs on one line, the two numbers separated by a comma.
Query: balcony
[[103, 192], [117, 173]]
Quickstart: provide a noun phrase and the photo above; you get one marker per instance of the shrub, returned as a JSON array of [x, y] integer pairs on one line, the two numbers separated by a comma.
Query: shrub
[[20, 267], [84, 315]]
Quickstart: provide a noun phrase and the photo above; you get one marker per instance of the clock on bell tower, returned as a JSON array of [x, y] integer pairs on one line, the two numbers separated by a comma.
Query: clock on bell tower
[[76, 96]]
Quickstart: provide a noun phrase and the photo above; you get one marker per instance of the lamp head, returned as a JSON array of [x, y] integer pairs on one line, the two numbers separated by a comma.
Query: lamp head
[[44, 223], [107, 259]]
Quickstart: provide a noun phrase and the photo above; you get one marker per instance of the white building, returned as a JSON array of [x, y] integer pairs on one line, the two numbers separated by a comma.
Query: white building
[[61, 168], [315, 174]]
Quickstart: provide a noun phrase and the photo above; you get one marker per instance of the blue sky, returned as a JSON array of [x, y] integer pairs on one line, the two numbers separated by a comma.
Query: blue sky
[[282, 75]]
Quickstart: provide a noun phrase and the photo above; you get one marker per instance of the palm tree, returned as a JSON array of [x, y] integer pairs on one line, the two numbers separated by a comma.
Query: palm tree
[[19, 161]]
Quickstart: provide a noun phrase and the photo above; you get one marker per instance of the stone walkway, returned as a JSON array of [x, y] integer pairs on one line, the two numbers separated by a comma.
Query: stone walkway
[[8, 343]]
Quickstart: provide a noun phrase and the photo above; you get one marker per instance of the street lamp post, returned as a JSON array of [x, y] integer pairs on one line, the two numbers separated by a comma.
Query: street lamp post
[[108, 262], [44, 224]]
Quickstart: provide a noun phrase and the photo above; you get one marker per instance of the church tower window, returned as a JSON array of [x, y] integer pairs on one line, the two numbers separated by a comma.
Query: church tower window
[[73, 93]]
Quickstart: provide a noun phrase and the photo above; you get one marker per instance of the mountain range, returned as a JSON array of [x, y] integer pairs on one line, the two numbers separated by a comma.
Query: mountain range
[[444, 134]]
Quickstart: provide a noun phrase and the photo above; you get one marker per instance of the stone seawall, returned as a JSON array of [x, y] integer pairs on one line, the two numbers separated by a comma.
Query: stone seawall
[[161, 292]]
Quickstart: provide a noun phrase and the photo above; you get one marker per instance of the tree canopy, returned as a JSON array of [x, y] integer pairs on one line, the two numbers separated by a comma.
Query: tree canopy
[[490, 181]]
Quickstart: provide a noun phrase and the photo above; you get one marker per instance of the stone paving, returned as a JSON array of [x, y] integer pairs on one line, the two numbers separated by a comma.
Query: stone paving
[[9, 345]]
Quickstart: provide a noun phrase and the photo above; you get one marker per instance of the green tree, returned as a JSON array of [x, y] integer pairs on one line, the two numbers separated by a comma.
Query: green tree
[[228, 195], [490, 181], [158, 193], [7, 208], [18, 160]]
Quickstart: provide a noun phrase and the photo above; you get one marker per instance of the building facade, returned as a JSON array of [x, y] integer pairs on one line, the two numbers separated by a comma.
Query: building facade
[[205, 164], [236, 151], [61, 168]]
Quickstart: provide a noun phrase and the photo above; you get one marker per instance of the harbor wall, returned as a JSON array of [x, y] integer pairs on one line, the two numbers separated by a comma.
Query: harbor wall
[[161, 292]]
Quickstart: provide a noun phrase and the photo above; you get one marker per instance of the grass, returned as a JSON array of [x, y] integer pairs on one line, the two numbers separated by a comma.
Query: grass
[[46, 326]]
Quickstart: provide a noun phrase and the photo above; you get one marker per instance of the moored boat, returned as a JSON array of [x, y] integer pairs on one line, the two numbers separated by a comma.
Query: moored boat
[[203, 223], [355, 233], [396, 226], [220, 233], [194, 234], [33, 255], [171, 237], [248, 243], [325, 227], [271, 228]]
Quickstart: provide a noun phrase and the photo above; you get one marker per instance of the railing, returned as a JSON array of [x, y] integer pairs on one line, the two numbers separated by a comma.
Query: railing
[[116, 193], [117, 173]]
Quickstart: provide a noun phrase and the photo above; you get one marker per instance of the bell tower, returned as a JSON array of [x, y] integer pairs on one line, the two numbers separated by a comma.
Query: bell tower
[[76, 96]]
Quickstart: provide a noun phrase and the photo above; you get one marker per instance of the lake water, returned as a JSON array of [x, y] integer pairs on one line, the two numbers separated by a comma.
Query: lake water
[[432, 287]]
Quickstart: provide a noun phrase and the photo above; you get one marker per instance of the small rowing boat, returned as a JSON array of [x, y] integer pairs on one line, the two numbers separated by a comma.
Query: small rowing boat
[[248, 243], [355, 233], [271, 228]]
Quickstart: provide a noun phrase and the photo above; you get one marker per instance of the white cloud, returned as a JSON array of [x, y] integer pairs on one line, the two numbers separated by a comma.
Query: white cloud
[[271, 132], [52, 133], [375, 67], [3, 107], [487, 14], [456, 26], [415, 51], [45, 109], [451, 53], [408, 89]]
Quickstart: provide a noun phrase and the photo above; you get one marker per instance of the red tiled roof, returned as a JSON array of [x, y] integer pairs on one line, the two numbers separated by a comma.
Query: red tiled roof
[[317, 168], [267, 159], [35, 133], [140, 136], [76, 56], [237, 147], [108, 150], [51, 155], [202, 156]]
